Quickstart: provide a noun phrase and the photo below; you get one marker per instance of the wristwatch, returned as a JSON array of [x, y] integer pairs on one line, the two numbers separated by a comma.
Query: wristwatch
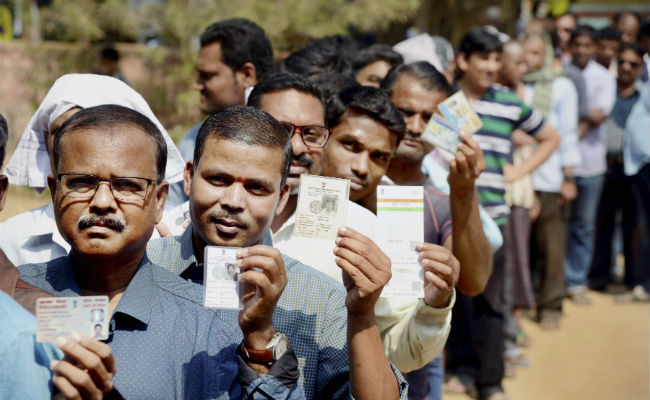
[[273, 351], [569, 178]]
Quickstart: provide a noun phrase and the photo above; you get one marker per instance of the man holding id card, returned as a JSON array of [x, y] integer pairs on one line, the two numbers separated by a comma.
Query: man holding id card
[[106, 208], [237, 184]]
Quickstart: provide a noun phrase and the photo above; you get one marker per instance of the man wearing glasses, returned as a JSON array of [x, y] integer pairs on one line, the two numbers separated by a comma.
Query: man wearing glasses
[[108, 193]]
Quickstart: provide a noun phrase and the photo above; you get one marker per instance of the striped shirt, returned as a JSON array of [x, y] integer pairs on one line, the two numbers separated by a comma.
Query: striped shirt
[[501, 112]]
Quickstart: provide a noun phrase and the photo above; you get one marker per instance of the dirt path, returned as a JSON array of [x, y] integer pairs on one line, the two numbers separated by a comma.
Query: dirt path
[[599, 352]]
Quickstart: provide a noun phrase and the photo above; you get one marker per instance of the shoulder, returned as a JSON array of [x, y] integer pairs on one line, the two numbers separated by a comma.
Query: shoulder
[[502, 94], [30, 271], [37, 218], [361, 219], [15, 319], [158, 248]]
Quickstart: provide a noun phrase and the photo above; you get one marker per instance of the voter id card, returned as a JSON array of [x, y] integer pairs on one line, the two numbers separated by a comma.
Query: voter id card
[[63, 316], [221, 279]]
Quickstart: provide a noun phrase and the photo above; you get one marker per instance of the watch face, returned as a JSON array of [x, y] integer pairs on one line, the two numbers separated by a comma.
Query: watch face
[[280, 347]]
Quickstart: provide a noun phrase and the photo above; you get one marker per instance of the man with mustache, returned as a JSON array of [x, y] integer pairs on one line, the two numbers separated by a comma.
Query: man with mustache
[[165, 343], [237, 183], [234, 55], [412, 335]]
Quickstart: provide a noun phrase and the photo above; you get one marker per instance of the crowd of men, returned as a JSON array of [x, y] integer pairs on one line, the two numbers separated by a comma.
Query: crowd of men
[[523, 215]]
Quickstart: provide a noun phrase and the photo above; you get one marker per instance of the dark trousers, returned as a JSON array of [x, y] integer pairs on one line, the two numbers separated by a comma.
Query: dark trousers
[[547, 250], [475, 344], [628, 195]]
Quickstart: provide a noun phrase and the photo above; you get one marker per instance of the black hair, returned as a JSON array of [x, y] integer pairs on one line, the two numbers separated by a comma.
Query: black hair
[[370, 101], [331, 84], [376, 52], [584, 30], [328, 55], [109, 53], [248, 125], [610, 33], [241, 41], [4, 138], [628, 46], [283, 81], [620, 15], [644, 30], [479, 40], [426, 74], [111, 116]]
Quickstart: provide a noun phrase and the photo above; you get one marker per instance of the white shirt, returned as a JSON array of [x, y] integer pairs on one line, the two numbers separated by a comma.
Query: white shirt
[[412, 332], [33, 237]]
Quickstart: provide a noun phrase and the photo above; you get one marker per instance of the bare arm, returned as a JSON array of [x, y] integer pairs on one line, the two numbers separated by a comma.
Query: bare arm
[[547, 140], [366, 269], [469, 244]]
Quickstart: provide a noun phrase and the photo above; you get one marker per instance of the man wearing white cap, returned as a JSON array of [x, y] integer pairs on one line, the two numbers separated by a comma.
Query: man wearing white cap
[[33, 237]]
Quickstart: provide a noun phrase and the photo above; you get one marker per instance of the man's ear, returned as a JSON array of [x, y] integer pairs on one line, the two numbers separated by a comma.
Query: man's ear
[[4, 185], [161, 197], [247, 75], [51, 183], [462, 62], [285, 192], [188, 174]]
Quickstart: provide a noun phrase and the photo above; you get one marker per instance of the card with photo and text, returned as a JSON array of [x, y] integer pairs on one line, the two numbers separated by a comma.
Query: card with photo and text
[[221, 278], [63, 316]]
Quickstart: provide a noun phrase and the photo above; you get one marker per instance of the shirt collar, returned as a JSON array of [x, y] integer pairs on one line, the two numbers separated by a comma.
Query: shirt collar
[[139, 297]]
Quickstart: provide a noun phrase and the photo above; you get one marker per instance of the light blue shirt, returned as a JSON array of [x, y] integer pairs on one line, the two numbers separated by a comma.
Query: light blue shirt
[[601, 93], [563, 117], [24, 363], [165, 343], [438, 175], [636, 141]]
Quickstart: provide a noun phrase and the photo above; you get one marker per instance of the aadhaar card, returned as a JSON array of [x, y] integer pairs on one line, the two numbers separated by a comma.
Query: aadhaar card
[[221, 278], [442, 134], [400, 227], [63, 316], [458, 111], [322, 206]]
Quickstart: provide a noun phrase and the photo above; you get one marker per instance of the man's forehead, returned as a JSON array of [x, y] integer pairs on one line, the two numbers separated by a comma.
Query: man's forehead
[[239, 158], [411, 92]]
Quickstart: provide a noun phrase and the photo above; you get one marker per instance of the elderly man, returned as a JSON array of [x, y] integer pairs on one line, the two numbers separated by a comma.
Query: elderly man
[[32, 237], [237, 183], [166, 344]]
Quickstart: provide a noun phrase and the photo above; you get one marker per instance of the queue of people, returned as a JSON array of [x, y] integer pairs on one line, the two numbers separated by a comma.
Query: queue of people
[[521, 217]]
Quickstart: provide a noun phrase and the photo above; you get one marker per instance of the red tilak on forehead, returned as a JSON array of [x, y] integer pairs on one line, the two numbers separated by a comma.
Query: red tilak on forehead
[[239, 179]]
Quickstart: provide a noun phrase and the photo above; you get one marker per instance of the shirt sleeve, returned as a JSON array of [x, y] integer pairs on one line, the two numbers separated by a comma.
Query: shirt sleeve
[[565, 101], [412, 332], [279, 383], [530, 121]]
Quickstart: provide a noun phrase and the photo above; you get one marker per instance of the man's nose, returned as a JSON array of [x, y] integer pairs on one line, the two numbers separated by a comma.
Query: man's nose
[[103, 198], [298, 145], [361, 165], [415, 124], [233, 197]]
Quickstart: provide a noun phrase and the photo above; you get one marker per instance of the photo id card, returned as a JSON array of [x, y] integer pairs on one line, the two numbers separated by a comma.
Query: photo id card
[[63, 316], [442, 134], [322, 206], [458, 111], [400, 227], [221, 278]]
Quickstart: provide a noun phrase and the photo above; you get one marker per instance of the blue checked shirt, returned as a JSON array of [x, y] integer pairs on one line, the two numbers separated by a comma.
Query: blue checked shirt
[[311, 313], [165, 343]]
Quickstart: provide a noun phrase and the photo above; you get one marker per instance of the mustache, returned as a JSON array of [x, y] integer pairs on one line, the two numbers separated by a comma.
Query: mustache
[[215, 215], [110, 221], [302, 160]]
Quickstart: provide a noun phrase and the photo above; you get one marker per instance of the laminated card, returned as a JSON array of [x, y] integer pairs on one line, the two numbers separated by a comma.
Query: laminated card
[[322, 206], [63, 316], [459, 112], [221, 278], [400, 227]]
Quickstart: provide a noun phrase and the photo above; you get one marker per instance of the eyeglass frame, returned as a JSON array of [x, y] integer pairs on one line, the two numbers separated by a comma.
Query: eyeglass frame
[[155, 182], [299, 128]]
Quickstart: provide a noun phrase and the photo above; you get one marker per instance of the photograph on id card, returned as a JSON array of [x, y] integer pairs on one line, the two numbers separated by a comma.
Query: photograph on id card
[[221, 278], [63, 316]]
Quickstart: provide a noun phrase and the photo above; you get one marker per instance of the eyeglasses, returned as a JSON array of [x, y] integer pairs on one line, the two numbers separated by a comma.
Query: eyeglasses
[[633, 64], [81, 186], [312, 135]]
